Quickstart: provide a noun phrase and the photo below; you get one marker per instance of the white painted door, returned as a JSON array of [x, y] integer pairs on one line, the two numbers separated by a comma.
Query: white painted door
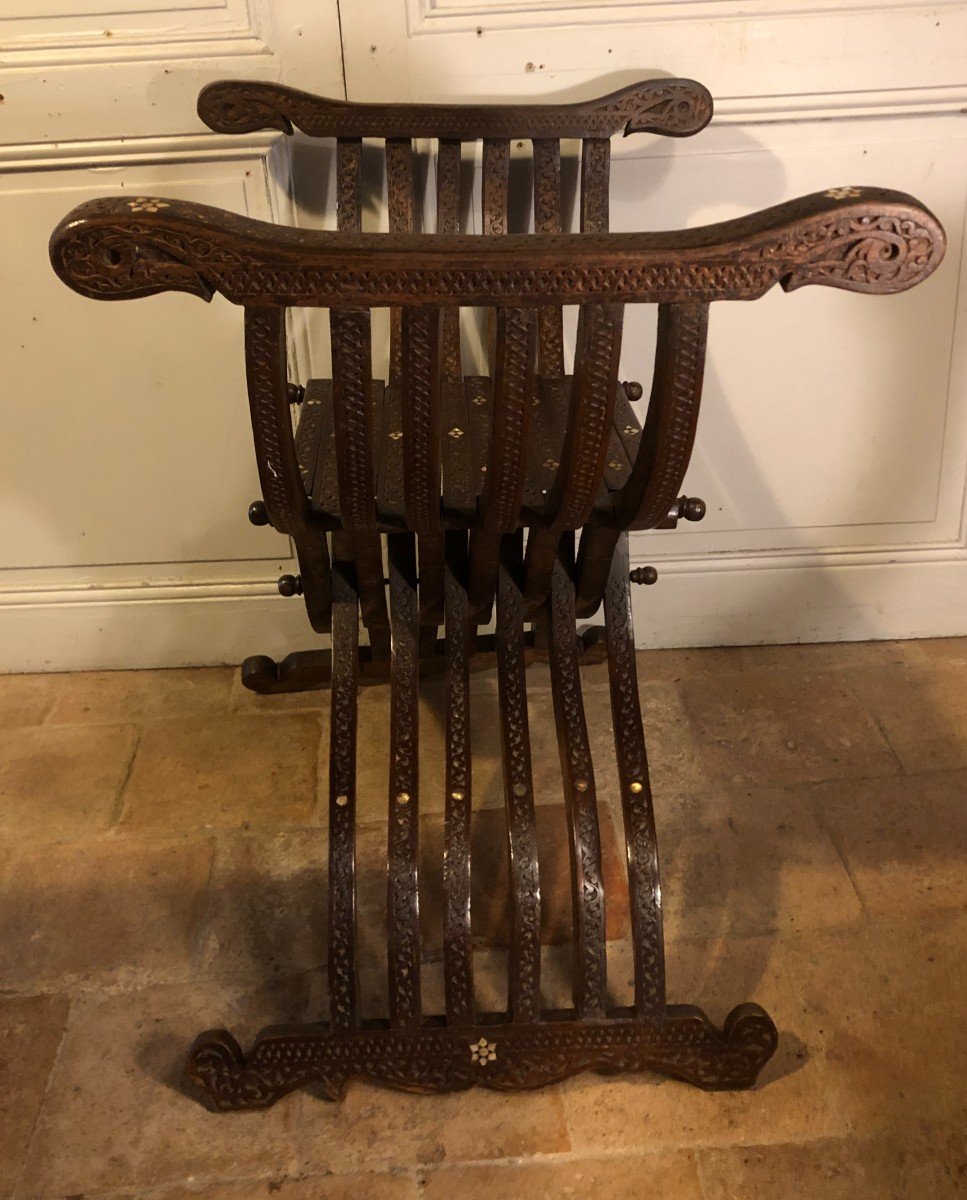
[[832, 449], [126, 459]]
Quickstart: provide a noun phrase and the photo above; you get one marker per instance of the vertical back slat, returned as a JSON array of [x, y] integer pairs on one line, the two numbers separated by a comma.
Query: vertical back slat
[[595, 174], [496, 181], [494, 196], [511, 414], [403, 904], [448, 221], [399, 194], [352, 387], [547, 219], [421, 401], [366, 546], [349, 214]]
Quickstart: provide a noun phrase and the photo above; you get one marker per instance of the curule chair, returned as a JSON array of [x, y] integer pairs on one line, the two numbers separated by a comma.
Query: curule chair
[[450, 471]]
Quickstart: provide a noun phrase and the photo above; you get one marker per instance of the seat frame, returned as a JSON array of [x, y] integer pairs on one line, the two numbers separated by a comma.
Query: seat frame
[[455, 547]]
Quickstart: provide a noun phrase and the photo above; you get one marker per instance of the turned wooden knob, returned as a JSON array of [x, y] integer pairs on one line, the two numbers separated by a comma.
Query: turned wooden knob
[[634, 391], [258, 514], [646, 575], [290, 585], [692, 508], [297, 393]]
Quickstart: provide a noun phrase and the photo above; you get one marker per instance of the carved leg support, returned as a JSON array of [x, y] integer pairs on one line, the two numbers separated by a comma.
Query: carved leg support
[[528, 1045]]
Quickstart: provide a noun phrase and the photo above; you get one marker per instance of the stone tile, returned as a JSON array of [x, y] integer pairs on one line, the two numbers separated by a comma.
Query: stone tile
[[824, 656], [669, 1176], [62, 783], [887, 999], [26, 699], [305, 1187], [268, 904], [904, 839], [910, 1166], [922, 710], [31, 1029], [675, 666], [376, 1129], [78, 912], [116, 1116], [763, 727], [223, 772], [675, 758], [490, 893], [791, 1101], [749, 861], [671, 666], [89, 697], [373, 753], [951, 650]]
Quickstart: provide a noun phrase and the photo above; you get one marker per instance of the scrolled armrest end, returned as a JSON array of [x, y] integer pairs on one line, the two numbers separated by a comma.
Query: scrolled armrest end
[[123, 258]]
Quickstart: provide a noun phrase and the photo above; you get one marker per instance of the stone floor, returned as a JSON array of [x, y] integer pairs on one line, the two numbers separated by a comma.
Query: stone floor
[[161, 842]]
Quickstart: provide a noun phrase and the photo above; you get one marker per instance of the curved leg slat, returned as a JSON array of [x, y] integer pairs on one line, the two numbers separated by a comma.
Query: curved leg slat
[[587, 885], [403, 902], [457, 943], [525, 957], [644, 887], [343, 975], [525, 1047]]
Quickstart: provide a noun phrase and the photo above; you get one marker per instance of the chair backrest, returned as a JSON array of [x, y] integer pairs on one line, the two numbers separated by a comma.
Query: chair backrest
[[865, 240], [671, 107]]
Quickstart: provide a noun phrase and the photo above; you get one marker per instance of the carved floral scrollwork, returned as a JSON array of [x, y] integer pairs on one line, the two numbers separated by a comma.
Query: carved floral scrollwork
[[863, 254], [124, 262]]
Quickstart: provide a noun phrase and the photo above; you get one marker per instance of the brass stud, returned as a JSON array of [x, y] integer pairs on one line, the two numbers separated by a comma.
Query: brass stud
[[636, 787], [581, 785], [403, 798], [457, 794], [456, 433], [520, 789], [342, 799]]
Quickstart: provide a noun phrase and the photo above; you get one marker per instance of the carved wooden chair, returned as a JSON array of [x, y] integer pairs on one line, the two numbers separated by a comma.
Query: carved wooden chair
[[445, 473]]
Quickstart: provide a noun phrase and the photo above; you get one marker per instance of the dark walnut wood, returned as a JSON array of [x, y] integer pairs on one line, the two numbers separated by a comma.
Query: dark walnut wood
[[674, 107], [872, 241], [439, 473]]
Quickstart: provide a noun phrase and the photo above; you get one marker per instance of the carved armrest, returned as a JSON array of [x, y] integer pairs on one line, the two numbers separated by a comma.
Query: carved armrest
[[673, 107], [859, 239]]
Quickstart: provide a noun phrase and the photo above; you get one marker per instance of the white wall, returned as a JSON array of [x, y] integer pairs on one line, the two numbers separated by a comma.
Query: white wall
[[831, 450]]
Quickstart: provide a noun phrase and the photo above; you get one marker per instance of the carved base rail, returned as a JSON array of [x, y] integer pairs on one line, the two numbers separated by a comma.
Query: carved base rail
[[487, 1053], [529, 1045]]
